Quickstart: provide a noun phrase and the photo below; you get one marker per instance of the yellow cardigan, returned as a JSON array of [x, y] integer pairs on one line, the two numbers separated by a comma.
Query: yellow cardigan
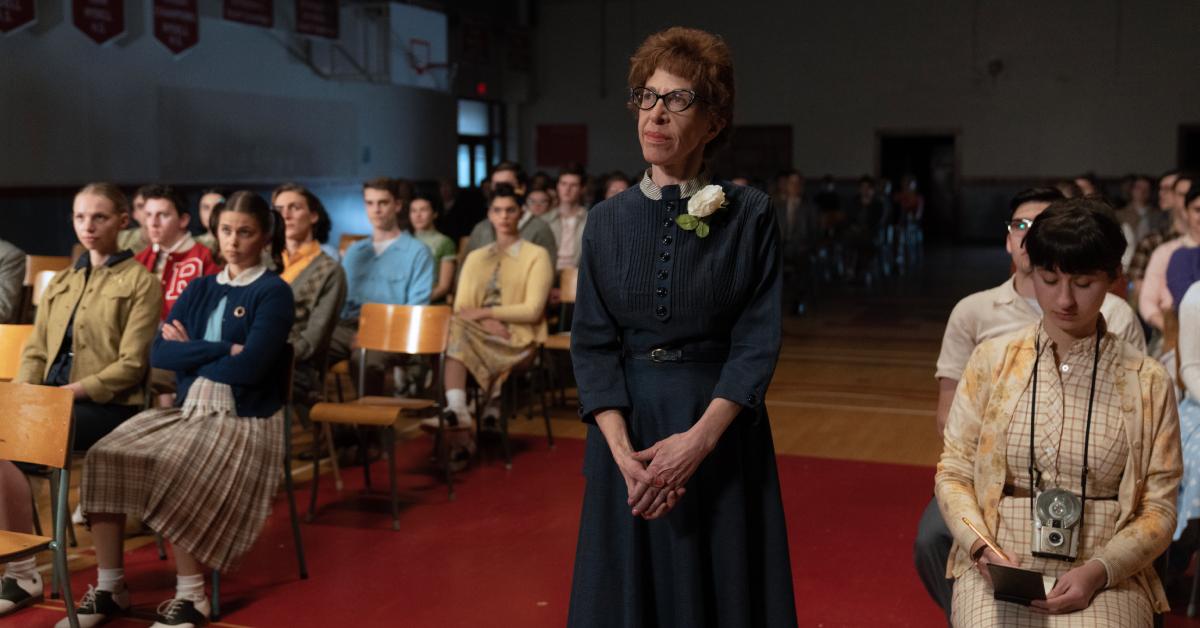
[[972, 471], [115, 323], [526, 274]]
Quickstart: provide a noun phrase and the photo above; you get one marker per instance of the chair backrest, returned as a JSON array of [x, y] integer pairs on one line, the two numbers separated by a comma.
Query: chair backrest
[[39, 285], [412, 329], [346, 240], [12, 340], [37, 424], [35, 264], [568, 281]]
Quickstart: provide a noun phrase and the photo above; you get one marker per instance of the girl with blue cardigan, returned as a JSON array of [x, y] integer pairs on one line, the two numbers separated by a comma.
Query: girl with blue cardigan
[[203, 473]]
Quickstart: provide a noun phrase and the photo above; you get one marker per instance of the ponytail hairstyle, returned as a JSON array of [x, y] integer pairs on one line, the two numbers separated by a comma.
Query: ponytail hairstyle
[[247, 202], [107, 191]]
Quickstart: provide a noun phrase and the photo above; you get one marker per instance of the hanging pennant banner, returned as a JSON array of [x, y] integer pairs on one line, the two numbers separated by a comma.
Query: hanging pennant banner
[[100, 20], [253, 12], [15, 14], [176, 24], [317, 17]]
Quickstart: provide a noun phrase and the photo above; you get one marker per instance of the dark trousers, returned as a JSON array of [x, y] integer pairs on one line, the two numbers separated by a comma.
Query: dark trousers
[[931, 552]]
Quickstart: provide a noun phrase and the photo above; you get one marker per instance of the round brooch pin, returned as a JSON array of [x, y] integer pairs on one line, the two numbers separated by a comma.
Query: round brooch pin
[[239, 312]]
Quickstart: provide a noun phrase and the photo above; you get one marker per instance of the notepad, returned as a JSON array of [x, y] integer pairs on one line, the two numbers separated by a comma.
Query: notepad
[[1019, 586]]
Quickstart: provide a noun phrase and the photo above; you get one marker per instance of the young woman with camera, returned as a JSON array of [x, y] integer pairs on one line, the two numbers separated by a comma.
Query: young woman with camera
[[1096, 506]]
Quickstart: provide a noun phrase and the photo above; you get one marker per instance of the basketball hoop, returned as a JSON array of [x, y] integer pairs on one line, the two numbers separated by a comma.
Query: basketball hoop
[[419, 60]]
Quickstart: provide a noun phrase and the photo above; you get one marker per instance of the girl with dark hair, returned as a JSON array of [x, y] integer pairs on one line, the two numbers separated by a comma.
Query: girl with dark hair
[[1064, 411], [209, 200], [201, 474], [422, 215]]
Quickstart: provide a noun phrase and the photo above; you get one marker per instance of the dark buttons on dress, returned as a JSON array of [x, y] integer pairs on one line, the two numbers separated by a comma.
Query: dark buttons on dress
[[667, 223], [670, 206], [665, 257], [660, 310], [662, 292], [667, 240], [662, 274]]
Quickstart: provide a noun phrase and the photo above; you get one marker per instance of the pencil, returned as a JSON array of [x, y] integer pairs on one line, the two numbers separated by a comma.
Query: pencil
[[983, 538]]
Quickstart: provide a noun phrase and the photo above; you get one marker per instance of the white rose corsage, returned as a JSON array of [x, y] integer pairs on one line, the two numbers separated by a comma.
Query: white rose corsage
[[701, 205]]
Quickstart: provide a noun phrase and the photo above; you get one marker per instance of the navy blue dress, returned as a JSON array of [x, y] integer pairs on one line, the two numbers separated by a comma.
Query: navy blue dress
[[720, 558]]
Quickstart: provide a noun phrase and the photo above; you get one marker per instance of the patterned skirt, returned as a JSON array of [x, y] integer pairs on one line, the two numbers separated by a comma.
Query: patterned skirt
[[1189, 486], [1122, 606], [199, 475], [489, 358]]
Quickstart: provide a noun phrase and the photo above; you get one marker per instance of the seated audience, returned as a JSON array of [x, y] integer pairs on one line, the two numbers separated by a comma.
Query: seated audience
[[1184, 267], [318, 286], [134, 237], [91, 336], [616, 182], [537, 203], [1010, 442], [389, 267], [422, 215], [1145, 246], [203, 473], [568, 220], [1139, 217], [209, 199], [982, 316], [1155, 297], [533, 229], [498, 313], [173, 255], [12, 282]]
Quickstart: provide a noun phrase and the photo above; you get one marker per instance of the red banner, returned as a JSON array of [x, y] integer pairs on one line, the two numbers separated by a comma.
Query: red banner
[[253, 12], [15, 14], [100, 20], [176, 24], [317, 17]]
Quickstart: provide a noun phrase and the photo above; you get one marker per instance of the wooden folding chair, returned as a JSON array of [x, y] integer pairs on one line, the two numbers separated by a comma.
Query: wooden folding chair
[[346, 240], [40, 281], [38, 429], [12, 340], [285, 381], [560, 343], [34, 265], [405, 329]]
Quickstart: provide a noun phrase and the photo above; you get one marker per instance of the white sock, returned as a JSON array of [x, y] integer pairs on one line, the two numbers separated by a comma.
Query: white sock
[[19, 570], [456, 400], [111, 580], [189, 587]]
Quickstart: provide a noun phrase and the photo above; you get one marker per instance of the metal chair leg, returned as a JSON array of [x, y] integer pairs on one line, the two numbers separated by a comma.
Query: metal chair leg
[[37, 518], [504, 412], [545, 383], [389, 443], [63, 585], [216, 596], [327, 430], [1195, 596], [162, 547], [291, 493], [316, 478], [364, 456]]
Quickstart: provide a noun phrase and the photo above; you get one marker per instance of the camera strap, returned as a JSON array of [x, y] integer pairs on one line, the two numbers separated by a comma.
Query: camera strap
[[1087, 431]]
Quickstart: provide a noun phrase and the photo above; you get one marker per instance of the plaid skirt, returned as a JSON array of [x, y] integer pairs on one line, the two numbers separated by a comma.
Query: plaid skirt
[[1124, 606], [489, 358], [201, 476]]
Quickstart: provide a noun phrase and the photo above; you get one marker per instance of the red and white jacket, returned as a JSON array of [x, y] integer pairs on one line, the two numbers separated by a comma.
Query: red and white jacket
[[188, 261]]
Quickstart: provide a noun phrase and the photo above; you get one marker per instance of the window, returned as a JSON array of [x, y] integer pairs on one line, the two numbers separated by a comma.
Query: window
[[481, 139]]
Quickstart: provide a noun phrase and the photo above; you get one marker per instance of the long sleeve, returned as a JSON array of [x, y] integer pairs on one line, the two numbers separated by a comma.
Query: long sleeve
[[133, 350], [958, 341], [35, 354], [537, 289], [596, 341], [1189, 343], [1154, 295], [421, 277], [189, 355], [955, 480], [267, 334], [755, 337], [12, 278], [319, 326], [1148, 532]]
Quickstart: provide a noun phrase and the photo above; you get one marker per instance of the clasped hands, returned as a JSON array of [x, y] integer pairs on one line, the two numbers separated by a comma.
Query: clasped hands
[[174, 331], [1073, 591], [655, 477], [483, 316]]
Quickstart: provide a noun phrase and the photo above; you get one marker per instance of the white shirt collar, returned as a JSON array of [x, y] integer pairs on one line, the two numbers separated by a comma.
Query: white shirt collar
[[512, 251], [182, 244], [247, 277]]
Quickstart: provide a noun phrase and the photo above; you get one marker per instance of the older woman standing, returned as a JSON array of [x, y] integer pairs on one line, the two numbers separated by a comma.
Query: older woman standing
[[675, 339], [1064, 408]]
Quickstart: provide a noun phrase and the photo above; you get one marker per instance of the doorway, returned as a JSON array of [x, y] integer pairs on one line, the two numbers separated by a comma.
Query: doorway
[[930, 159]]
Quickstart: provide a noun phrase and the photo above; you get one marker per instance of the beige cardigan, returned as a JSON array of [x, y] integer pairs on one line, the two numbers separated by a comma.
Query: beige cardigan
[[526, 274], [972, 471]]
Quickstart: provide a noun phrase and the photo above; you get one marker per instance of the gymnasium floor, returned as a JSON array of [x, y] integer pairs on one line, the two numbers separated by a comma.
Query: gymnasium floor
[[852, 409]]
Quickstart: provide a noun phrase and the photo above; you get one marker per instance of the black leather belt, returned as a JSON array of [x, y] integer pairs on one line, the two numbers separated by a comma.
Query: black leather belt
[[680, 355], [1016, 491]]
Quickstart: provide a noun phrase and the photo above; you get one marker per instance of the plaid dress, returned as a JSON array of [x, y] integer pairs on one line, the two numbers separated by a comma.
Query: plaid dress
[[199, 475], [1062, 399]]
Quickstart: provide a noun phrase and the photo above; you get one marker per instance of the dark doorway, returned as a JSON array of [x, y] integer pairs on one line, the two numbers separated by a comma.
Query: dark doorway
[[932, 160], [1189, 147], [756, 151]]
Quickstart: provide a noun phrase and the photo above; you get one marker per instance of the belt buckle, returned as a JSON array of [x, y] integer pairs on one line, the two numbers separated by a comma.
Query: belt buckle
[[658, 355]]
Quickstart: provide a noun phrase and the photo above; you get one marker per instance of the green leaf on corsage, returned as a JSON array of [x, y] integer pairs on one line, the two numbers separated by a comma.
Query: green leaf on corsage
[[688, 222], [702, 230]]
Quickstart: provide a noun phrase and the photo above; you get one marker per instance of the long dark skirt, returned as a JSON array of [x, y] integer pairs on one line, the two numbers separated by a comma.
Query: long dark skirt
[[720, 558]]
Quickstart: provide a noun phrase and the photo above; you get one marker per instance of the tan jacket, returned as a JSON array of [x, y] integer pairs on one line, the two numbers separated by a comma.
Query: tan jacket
[[526, 274], [972, 471], [115, 323]]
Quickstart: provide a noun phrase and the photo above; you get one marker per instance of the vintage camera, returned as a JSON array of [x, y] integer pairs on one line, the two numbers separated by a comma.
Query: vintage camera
[[1055, 524]]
